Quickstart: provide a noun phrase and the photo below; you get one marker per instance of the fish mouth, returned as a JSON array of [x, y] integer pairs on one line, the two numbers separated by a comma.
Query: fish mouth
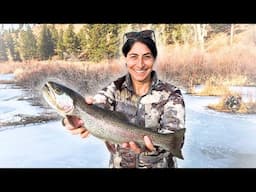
[[62, 103], [66, 108]]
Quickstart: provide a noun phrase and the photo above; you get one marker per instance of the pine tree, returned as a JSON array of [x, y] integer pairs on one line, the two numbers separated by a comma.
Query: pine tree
[[95, 42], [178, 33], [112, 40], [17, 55], [71, 42], [103, 41], [45, 44], [3, 52], [10, 45], [60, 45], [54, 34], [28, 46]]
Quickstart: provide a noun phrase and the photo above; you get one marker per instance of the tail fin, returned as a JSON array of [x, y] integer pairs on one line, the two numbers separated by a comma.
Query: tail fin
[[175, 142]]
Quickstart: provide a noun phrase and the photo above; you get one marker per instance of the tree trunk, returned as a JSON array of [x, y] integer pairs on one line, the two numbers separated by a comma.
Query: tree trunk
[[231, 34], [200, 34]]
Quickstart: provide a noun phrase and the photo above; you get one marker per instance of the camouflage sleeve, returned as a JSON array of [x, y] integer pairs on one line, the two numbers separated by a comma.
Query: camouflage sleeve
[[106, 97], [173, 116]]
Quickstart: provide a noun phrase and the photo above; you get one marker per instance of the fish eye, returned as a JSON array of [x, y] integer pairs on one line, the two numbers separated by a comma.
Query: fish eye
[[58, 90]]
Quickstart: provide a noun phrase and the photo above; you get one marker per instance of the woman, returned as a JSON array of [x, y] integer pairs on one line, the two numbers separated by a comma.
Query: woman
[[145, 100]]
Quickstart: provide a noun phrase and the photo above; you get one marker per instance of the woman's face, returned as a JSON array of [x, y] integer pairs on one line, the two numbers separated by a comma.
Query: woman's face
[[140, 62]]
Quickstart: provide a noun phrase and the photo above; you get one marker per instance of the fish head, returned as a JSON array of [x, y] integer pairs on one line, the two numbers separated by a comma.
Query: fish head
[[58, 97]]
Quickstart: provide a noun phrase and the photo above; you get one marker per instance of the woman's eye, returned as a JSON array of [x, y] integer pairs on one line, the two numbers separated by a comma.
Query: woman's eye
[[148, 57]]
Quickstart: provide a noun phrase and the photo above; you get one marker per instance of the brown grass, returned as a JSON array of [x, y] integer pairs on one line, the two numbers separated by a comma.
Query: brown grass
[[188, 66], [214, 87], [83, 76], [86, 78]]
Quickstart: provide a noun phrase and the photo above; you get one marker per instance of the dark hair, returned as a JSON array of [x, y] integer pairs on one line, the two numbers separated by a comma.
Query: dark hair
[[147, 41]]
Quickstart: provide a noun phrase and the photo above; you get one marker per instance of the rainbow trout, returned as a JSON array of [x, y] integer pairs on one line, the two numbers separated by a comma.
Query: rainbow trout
[[105, 124]]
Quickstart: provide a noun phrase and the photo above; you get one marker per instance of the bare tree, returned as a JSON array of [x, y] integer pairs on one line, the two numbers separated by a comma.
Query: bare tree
[[231, 34], [200, 32], [254, 33]]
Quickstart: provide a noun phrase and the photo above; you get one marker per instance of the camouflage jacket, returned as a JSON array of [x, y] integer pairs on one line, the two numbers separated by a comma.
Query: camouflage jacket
[[162, 109]]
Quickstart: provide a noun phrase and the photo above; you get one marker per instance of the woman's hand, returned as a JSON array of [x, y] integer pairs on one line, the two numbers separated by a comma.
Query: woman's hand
[[134, 147], [76, 125]]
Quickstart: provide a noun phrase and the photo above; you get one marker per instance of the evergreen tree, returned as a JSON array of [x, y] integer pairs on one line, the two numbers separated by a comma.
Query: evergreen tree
[[54, 34], [17, 55], [28, 46], [95, 41], [178, 33], [71, 42], [83, 39], [45, 44], [83, 36], [103, 41], [60, 45], [217, 28], [3, 52], [112, 40], [10, 45]]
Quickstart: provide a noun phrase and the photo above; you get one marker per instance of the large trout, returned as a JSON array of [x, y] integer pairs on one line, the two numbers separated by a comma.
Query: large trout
[[105, 124]]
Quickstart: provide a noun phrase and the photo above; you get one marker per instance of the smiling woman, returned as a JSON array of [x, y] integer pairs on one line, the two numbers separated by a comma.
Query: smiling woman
[[145, 100], [139, 63]]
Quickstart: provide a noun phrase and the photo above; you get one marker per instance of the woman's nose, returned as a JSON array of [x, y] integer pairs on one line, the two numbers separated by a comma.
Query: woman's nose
[[140, 62]]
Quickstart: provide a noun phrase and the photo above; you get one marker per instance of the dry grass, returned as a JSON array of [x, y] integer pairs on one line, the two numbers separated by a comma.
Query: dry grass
[[188, 66], [181, 64], [213, 90], [83, 76], [86, 78], [214, 87], [9, 67]]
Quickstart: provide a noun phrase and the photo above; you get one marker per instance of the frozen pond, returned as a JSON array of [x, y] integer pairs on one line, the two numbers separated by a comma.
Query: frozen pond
[[49, 146], [217, 140], [213, 139]]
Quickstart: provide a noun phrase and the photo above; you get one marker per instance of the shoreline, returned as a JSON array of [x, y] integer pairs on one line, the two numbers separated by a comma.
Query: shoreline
[[34, 100]]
